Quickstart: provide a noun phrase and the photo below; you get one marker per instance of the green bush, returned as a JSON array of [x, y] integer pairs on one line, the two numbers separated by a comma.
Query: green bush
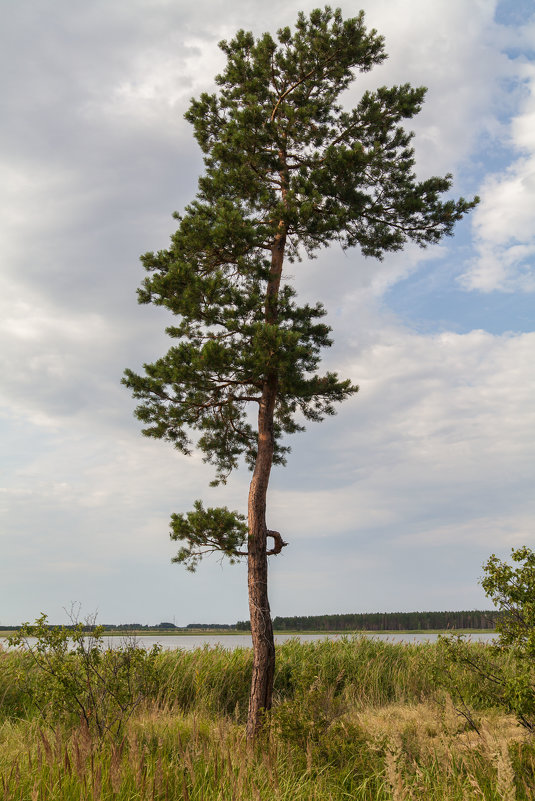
[[75, 676], [14, 702], [504, 672]]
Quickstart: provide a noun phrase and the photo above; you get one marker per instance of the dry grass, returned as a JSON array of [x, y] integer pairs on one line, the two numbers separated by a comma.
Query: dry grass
[[433, 738], [397, 752], [352, 721]]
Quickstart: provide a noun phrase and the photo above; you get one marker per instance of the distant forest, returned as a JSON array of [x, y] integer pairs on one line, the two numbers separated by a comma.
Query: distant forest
[[140, 627], [366, 621], [384, 621]]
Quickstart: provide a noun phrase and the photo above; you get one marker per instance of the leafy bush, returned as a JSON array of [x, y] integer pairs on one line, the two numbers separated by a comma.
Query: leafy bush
[[13, 702], [78, 677], [505, 672]]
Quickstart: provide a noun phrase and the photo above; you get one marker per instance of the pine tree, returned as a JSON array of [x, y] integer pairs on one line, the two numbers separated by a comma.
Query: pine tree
[[287, 171]]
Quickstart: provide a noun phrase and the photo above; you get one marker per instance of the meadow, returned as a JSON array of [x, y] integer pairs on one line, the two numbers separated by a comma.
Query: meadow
[[352, 719]]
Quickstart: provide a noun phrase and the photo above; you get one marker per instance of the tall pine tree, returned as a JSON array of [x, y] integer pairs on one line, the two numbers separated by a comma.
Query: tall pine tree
[[287, 171]]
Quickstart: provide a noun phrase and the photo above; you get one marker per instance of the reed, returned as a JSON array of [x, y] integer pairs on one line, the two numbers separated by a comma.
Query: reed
[[216, 680], [370, 671], [352, 719]]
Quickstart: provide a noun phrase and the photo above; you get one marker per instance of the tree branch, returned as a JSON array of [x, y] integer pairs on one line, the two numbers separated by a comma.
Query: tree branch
[[279, 543], [299, 82]]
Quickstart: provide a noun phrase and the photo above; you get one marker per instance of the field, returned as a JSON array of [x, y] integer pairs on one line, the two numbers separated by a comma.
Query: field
[[353, 719]]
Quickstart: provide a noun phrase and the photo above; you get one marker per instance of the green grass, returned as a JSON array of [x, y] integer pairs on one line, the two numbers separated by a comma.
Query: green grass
[[352, 719]]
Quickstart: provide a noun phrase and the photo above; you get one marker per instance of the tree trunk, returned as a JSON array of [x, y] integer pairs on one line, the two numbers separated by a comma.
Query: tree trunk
[[259, 611]]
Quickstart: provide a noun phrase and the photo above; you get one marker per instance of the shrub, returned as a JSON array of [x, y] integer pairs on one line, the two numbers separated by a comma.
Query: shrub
[[79, 677], [505, 672]]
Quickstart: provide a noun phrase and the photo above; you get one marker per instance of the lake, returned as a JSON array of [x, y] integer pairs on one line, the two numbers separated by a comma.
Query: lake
[[231, 641]]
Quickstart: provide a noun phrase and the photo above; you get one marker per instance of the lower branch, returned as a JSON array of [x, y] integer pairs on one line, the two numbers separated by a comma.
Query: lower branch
[[279, 544]]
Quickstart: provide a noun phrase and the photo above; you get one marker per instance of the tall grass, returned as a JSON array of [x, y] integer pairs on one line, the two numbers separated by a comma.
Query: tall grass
[[368, 671], [353, 719], [216, 680], [401, 753]]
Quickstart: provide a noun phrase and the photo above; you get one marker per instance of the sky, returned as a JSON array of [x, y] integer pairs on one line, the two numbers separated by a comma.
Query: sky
[[394, 504]]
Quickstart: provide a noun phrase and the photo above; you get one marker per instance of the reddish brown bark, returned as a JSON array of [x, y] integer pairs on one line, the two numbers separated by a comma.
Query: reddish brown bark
[[260, 698], [259, 611]]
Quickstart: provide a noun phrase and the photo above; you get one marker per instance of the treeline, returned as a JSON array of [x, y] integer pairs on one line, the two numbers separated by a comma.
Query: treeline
[[215, 626], [137, 627], [89, 627], [171, 627], [365, 621], [384, 621]]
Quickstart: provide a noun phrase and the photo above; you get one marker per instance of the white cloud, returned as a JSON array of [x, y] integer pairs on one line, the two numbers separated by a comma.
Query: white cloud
[[503, 222], [436, 447], [440, 431], [489, 533], [451, 48]]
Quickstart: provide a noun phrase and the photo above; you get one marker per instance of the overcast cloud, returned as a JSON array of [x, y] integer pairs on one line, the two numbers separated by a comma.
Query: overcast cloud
[[396, 502]]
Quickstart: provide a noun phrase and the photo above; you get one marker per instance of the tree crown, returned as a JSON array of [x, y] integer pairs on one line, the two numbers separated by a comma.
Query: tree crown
[[287, 171]]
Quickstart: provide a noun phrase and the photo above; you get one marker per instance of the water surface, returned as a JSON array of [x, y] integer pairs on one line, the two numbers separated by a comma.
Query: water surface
[[230, 641]]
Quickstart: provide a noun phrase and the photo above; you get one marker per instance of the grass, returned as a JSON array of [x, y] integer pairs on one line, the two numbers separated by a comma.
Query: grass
[[352, 719], [397, 752]]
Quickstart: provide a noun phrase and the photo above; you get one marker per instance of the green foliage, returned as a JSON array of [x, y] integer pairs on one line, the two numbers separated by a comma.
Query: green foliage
[[14, 703], [78, 678], [205, 531], [311, 711], [505, 673], [287, 171], [512, 590]]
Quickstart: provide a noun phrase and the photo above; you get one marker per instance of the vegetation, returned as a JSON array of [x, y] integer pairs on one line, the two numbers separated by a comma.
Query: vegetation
[[365, 621], [352, 718], [288, 171], [109, 627], [355, 718], [506, 671], [383, 621], [78, 676]]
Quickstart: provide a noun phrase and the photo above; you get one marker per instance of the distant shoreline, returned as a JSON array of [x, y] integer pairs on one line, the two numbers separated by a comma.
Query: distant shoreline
[[238, 632]]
